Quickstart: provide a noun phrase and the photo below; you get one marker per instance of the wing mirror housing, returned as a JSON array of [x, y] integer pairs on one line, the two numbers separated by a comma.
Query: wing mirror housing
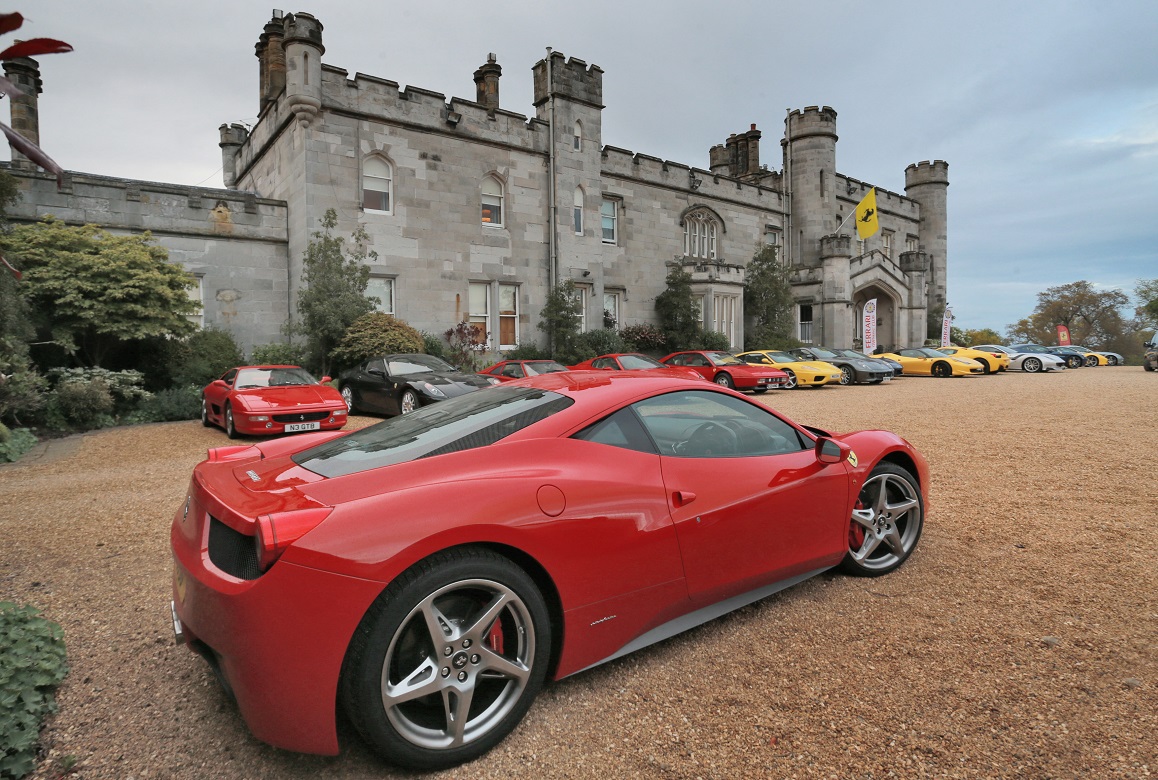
[[831, 451]]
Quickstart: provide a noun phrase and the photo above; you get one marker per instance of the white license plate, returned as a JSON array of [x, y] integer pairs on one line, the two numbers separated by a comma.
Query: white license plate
[[298, 427]]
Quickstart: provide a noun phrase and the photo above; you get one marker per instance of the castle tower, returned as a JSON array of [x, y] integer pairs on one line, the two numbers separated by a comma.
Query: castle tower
[[486, 83], [810, 164], [303, 63], [232, 137], [928, 184], [271, 61], [835, 320], [24, 72]]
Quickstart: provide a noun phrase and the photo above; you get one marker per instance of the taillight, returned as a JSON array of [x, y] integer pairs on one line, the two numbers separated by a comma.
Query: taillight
[[279, 530], [232, 452]]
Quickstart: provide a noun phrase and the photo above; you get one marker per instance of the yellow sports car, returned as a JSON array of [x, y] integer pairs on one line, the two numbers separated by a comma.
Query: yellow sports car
[[1092, 358], [801, 373], [990, 361], [924, 361]]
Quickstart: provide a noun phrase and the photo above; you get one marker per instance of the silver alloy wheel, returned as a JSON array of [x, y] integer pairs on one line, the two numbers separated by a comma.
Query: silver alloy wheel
[[887, 522], [846, 376], [204, 413], [724, 380], [348, 397], [792, 382], [408, 402], [230, 429], [458, 664], [1031, 365]]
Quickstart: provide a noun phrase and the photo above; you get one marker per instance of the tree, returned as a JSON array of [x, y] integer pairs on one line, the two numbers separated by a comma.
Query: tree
[[768, 302], [92, 290], [1094, 317], [375, 334], [981, 336], [1147, 311], [679, 316], [559, 319], [333, 291]]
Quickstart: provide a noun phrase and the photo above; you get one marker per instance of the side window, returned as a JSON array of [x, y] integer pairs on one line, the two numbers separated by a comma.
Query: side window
[[513, 370], [376, 363], [697, 360], [230, 375], [698, 424], [622, 430], [604, 363]]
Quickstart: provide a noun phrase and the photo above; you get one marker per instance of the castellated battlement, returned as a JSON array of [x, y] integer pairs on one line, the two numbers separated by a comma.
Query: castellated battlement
[[572, 79], [835, 245], [851, 191], [625, 164], [927, 172], [303, 28], [810, 121]]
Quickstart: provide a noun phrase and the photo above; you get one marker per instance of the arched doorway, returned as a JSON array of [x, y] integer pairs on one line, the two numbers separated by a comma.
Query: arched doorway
[[887, 334]]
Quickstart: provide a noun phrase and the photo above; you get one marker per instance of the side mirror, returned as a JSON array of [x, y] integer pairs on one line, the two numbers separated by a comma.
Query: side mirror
[[831, 451], [219, 383], [325, 379], [376, 372]]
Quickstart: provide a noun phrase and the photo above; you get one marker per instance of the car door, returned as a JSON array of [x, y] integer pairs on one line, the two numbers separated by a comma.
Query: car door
[[217, 394], [751, 503], [371, 385]]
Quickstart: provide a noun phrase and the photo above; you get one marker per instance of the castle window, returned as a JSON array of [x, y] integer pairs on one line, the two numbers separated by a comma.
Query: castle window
[[377, 178], [480, 312], [492, 202], [581, 296], [382, 288], [724, 315], [578, 211], [609, 216], [700, 235], [508, 316], [611, 308], [805, 321], [577, 138], [197, 295], [910, 243], [887, 243]]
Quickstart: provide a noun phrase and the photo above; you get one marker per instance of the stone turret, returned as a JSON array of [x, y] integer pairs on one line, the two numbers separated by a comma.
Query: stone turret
[[572, 79], [271, 61], [232, 137], [928, 184], [24, 72], [486, 83], [810, 164], [303, 61], [835, 290]]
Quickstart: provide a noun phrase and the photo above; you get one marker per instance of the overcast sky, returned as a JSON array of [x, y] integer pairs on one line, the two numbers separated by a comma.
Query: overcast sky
[[1047, 112]]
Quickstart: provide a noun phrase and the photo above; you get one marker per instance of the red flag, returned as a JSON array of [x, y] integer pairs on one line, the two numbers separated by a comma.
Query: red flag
[[1063, 336]]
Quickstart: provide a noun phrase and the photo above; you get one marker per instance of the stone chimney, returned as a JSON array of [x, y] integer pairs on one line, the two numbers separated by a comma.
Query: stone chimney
[[24, 72], [232, 137], [486, 83], [271, 61]]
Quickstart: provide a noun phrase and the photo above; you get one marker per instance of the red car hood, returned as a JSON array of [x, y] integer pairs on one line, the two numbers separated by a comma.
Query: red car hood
[[271, 398]]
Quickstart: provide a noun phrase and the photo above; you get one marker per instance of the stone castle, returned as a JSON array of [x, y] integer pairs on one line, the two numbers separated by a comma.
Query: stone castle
[[474, 212]]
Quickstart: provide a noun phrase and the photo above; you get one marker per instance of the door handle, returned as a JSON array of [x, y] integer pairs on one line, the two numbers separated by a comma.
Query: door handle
[[682, 498]]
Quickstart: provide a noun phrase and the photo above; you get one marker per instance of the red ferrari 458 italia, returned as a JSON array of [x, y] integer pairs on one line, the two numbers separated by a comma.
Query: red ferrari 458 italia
[[426, 575], [271, 400]]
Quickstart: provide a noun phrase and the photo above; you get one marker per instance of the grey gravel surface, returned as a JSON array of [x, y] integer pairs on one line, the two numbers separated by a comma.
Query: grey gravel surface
[[1019, 641]]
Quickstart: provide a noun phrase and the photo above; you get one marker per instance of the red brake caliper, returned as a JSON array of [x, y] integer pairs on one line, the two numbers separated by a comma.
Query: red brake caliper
[[495, 637], [855, 531]]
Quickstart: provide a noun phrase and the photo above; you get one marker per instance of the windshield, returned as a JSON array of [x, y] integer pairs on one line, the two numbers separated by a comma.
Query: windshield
[[823, 354], [852, 353], [724, 359], [639, 361], [1034, 348], [462, 423], [403, 365], [273, 377], [781, 357], [543, 367]]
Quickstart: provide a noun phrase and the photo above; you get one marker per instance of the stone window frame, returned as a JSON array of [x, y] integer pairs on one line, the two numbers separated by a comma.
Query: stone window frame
[[480, 321], [614, 296], [702, 229], [613, 217], [887, 242], [197, 294], [577, 136], [579, 198], [496, 200], [388, 191], [509, 317], [583, 293], [385, 306], [804, 326]]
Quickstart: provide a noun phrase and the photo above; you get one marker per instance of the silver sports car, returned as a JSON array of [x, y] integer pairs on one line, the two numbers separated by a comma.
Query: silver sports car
[[1029, 362]]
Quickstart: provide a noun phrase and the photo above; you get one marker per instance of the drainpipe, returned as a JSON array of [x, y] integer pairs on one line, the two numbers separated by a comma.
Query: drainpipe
[[553, 271]]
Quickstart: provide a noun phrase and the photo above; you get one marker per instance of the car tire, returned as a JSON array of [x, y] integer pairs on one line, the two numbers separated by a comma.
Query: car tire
[[846, 375], [886, 522], [1091, 361], [230, 427], [875, 381], [985, 369], [1031, 365], [348, 396], [205, 413], [408, 402], [1074, 362], [792, 382], [1111, 360], [759, 390], [942, 370], [723, 379], [467, 627]]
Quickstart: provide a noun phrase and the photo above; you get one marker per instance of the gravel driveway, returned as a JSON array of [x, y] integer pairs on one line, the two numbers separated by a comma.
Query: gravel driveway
[[1019, 641]]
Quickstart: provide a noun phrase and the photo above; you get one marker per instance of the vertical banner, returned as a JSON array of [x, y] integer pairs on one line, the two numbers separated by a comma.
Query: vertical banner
[[946, 327], [870, 326], [1063, 336]]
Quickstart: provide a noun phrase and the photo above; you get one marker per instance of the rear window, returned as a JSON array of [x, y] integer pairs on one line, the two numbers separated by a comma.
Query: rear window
[[462, 423]]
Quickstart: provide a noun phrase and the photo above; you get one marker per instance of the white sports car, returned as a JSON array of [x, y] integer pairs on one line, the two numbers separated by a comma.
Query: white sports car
[[1029, 362]]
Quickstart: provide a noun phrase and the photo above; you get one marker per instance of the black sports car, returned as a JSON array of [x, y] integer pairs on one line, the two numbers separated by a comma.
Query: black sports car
[[399, 384], [852, 369]]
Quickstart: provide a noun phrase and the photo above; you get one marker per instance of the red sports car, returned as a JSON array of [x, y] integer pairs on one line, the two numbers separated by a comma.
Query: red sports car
[[727, 370], [506, 370], [426, 575], [269, 400], [631, 361]]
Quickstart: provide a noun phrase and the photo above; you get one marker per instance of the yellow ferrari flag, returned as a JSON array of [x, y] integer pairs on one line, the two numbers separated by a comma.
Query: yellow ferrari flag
[[866, 215]]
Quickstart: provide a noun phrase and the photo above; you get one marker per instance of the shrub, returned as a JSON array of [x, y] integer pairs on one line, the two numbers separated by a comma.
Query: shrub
[[601, 342], [32, 663], [643, 338], [124, 387], [464, 348], [714, 340], [14, 443], [80, 406], [433, 345], [176, 403], [278, 354], [375, 334], [526, 351], [203, 357], [21, 387]]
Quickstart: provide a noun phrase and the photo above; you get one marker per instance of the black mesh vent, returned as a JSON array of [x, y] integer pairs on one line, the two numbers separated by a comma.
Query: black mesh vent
[[232, 552], [300, 417], [492, 433]]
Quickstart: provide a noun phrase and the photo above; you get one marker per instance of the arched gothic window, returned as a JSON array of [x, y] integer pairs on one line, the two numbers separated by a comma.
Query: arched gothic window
[[377, 181], [577, 138], [578, 211], [700, 231], [492, 202]]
